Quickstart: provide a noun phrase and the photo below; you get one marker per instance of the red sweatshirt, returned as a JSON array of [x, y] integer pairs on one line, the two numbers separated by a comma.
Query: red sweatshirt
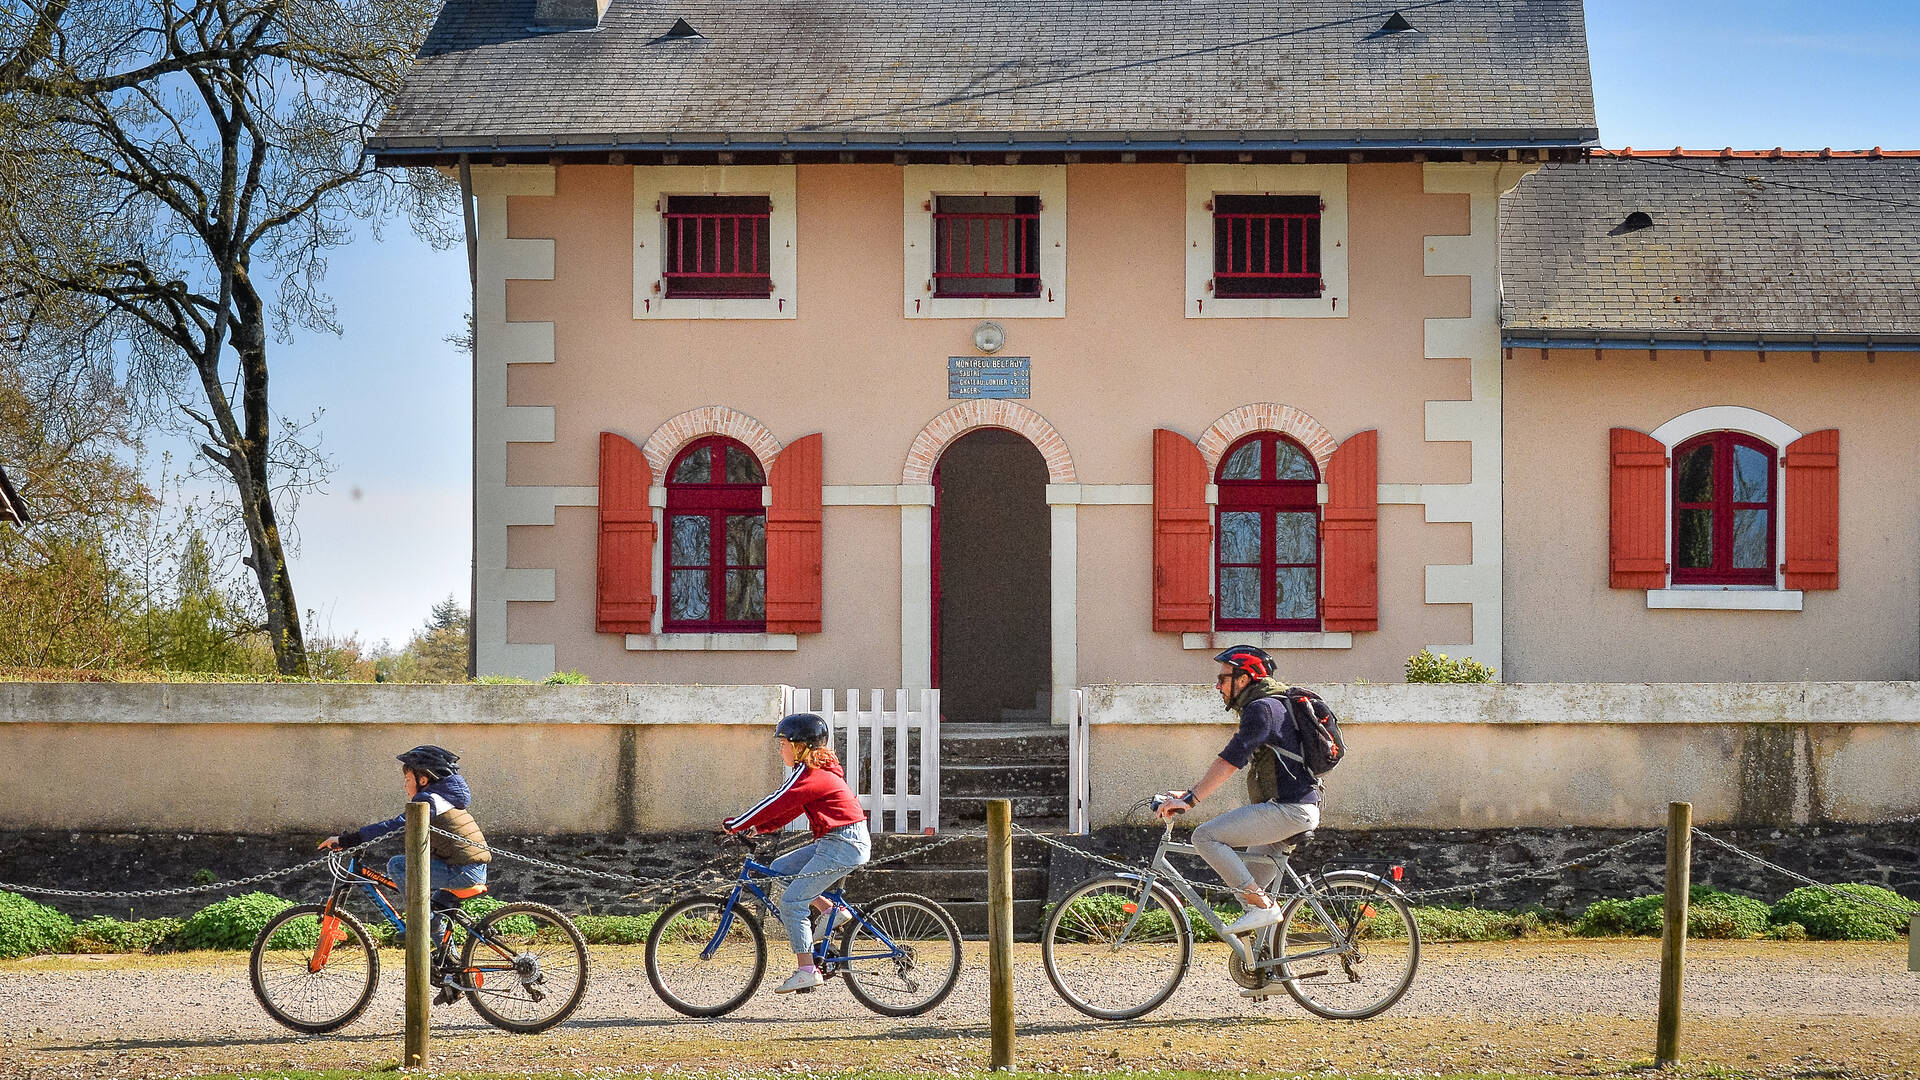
[[822, 794]]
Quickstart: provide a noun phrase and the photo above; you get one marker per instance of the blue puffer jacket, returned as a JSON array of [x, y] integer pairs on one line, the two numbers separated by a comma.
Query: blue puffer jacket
[[451, 793]]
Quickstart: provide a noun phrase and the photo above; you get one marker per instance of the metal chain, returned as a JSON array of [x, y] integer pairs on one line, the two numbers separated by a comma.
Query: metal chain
[[185, 890], [1112, 864], [1821, 885], [1544, 871]]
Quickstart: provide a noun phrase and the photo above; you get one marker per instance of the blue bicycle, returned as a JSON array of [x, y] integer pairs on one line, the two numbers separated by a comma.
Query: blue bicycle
[[899, 954]]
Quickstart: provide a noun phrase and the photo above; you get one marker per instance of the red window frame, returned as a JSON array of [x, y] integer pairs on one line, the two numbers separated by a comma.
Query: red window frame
[[1722, 506], [1266, 247], [717, 247], [956, 233], [1269, 496], [715, 499]]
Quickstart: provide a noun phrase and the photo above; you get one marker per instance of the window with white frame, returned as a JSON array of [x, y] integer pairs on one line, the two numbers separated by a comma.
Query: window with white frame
[[715, 242], [1266, 241], [985, 241]]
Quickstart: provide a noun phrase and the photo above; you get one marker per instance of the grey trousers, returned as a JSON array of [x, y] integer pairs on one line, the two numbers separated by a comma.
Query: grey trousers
[[1262, 829]]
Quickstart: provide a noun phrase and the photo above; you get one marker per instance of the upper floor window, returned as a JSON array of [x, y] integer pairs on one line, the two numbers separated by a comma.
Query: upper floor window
[[986, 245], [716, 559], [1266, 246], [1723, 510], [1267, 537], [718, 246]]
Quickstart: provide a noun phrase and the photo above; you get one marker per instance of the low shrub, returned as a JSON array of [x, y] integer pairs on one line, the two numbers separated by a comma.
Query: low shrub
[[1619, 918], [105, 934], [565, 678], [1791, 931], [1472, 923], [28, 927], [621, 929], [1827, 917], [481, 906], [1427, 666], [502, 680], [233, 923], [1715, 914]]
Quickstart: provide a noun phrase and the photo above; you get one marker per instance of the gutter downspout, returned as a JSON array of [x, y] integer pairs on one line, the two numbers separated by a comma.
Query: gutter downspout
[[473, 350]]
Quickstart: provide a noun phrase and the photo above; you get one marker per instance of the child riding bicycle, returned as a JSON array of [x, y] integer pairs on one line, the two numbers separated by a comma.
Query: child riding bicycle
[[817, 787], [1246, 685]]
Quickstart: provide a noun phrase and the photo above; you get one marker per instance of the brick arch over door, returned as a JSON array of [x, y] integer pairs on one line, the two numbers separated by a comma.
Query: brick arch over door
[[668, 438], [1267, 416], [987, 413]]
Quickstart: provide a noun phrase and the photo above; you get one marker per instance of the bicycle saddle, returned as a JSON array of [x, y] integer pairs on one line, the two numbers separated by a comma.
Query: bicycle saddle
[[1293, 843]]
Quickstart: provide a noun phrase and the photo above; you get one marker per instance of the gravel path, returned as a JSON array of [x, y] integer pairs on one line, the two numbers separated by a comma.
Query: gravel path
[[1575, 1003]]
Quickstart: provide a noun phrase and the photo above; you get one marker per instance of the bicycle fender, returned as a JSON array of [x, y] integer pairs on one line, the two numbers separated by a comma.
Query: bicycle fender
[[1380, 885]]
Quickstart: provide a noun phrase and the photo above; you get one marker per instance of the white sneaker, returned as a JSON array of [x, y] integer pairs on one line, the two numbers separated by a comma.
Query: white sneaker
[[1256, 919], [800, 980], [841, 916]]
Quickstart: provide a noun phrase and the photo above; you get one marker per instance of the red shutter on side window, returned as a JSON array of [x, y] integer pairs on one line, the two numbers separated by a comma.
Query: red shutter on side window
[[625, 593], [1351, 534], [1813, 511], [793, 540], [1182, 536], [1637, 538]]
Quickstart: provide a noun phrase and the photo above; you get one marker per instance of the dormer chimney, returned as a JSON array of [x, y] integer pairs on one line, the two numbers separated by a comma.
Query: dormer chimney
[[568, 14]]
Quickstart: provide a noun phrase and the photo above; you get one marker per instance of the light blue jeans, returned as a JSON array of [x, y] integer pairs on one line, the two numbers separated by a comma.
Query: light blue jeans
[[439, 876], [824, 862]]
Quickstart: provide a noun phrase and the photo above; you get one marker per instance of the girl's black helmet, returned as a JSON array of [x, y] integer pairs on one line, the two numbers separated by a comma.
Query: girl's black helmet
[[436, 762], [1248, 660], [805, 728]]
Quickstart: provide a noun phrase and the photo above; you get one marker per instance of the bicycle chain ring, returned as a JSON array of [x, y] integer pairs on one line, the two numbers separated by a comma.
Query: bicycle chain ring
[[1251, 980]]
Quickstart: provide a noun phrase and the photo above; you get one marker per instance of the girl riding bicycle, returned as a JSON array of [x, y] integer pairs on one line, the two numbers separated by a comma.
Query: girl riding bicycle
[[817, 787]]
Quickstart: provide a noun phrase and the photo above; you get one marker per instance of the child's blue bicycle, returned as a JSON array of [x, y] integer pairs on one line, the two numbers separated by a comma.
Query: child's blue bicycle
[[900, 953]]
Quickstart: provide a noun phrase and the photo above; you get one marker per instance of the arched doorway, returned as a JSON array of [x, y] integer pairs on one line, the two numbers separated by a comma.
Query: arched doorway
[[992, 558]]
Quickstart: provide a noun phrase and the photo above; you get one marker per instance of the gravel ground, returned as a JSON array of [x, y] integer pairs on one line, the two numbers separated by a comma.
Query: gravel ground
[[1761, 1008]]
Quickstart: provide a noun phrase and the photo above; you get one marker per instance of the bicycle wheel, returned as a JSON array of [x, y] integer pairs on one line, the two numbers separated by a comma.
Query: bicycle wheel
[[695, 970], [524, 967], [312, 971], [1373, 967], [1105, 961], [917, 973]]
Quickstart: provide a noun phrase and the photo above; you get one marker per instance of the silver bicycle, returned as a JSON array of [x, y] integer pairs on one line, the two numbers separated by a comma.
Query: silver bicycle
[[1118, 944]]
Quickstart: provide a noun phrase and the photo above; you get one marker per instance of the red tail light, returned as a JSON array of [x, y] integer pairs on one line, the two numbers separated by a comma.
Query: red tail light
[[1399, 872]]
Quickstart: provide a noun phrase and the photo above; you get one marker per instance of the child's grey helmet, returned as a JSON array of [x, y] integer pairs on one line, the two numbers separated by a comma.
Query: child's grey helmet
[[436, 762], [805, 728]]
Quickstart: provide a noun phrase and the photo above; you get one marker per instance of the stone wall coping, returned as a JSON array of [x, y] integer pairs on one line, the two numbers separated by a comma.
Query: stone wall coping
[[370, 703], [1542, 703]]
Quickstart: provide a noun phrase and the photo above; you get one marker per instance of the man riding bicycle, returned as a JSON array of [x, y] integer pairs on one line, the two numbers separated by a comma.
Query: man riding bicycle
[[1246, 686]]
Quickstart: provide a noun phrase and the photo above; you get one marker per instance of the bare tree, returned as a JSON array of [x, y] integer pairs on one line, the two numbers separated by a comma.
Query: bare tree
[[174, 172]]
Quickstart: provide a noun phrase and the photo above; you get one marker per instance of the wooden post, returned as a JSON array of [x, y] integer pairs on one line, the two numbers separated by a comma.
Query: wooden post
[[1000, 930], [1673, 930], [419, 935], [1913, 943]]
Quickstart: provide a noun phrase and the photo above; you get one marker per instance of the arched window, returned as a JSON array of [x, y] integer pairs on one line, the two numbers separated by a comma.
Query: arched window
[[1267, 536], [1723, 510], [716, 559]]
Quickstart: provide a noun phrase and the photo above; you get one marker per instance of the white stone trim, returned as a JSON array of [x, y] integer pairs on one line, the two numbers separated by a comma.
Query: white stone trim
[[498, 343], [1064, 581], [1100, 494], [916, 595], [921, 183], [1220, 639], [1327, 181], [1477, 420], [653, 183], [1724, 598], [712, 642], [1747, 421], [528, 504]]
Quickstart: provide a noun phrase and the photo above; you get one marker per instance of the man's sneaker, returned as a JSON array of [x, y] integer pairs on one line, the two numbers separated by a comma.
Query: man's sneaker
[[840, 915], [1254, 920], [800, 980], [449, 992]]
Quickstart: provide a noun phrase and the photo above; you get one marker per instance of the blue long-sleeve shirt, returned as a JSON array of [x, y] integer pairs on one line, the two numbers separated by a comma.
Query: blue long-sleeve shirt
[[451, 793], [1266, 721]]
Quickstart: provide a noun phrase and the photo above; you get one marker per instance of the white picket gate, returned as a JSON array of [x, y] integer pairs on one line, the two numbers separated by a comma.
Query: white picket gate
[[1079, 787], [867, 739]]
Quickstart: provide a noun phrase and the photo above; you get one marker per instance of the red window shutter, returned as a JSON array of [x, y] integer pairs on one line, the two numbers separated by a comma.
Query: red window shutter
[[1813, 511], [1637, 548], [793, 540], [1182, 536], [1351, 525], [625, 591]]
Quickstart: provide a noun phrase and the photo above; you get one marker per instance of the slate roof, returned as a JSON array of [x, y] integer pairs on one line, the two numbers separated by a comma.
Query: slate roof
[[1750, 246], [1482, 72]]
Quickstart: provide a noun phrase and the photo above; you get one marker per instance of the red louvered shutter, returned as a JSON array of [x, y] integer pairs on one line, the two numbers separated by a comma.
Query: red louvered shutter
[[625, 592], [1351, 524], [793, 540], [1637, 548], [1182, 536], [1813, 511]]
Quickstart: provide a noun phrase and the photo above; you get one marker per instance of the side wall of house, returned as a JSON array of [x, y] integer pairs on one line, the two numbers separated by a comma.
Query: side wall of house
[[1411, 352], [1564, 622]]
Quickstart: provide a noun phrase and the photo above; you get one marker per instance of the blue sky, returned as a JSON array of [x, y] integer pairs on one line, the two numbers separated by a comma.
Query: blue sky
[[391, 535]]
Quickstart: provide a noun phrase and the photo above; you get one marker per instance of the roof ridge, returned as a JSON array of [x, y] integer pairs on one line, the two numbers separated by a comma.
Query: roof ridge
[[1775, 154]]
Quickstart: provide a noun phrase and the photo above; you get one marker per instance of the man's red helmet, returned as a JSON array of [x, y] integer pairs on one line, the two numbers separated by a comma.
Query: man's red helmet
[[1248, 660]]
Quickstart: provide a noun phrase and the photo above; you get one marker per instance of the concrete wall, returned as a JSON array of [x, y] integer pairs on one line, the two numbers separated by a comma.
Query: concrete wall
[[1502, 756], [587, 759], [1565, 624]]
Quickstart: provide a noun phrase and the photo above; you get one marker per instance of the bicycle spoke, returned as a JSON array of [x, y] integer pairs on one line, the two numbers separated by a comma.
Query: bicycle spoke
[[920, 967], [1374, 949], [523, 969], [1113, 952], [694, 968]]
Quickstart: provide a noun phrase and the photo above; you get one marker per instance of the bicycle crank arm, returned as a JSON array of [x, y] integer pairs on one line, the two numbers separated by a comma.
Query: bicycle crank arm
[[1280, 985]]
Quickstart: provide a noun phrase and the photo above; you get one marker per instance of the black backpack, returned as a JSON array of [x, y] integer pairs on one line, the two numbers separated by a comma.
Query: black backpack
[[1321, 747]]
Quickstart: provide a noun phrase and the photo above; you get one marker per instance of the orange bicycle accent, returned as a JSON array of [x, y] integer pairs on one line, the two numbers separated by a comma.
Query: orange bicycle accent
[[330, 936]]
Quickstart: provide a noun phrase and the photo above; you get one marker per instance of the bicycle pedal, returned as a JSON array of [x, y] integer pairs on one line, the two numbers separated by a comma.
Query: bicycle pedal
[[806, 990]]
